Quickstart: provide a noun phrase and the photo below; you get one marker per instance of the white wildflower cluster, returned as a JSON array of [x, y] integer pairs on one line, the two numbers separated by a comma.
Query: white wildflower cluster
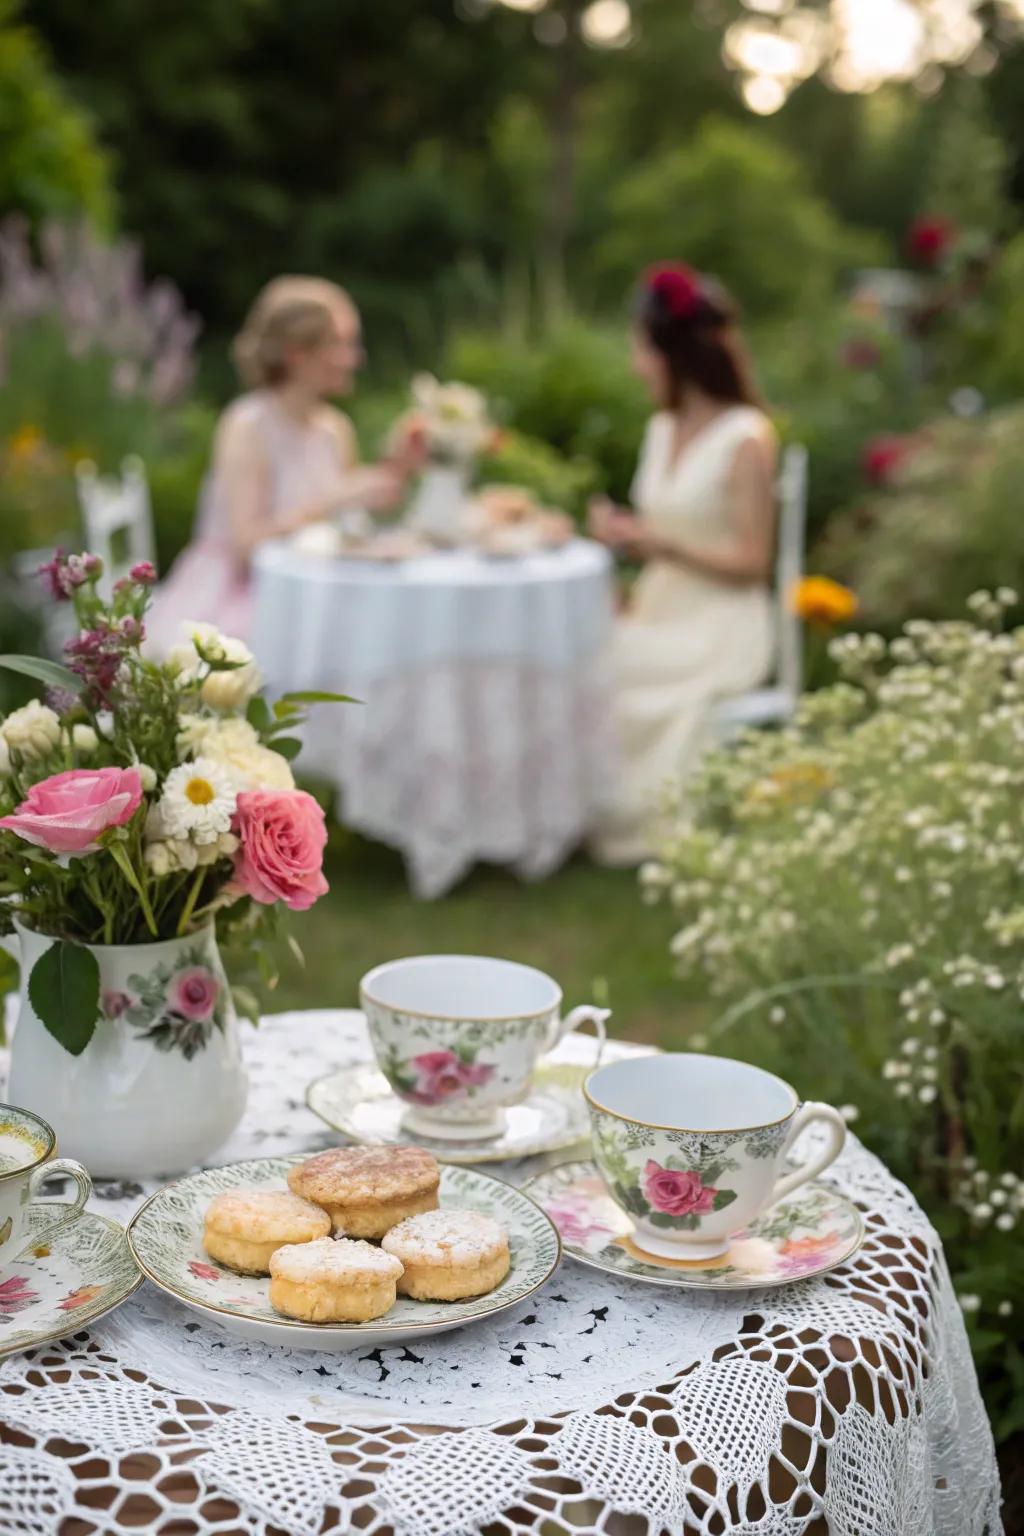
[[995, 1200], [877, 844]]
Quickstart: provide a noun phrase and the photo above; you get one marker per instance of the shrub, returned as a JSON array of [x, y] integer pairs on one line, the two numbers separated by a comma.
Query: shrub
[[948, 523], [850, 888]]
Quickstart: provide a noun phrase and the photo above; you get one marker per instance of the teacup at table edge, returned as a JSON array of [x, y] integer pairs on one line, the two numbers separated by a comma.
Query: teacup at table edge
[[693, 1146], [458, 1036], [27, 1145]]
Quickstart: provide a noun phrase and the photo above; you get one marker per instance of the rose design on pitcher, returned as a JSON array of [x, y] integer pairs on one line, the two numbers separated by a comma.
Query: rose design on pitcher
[[677, 1193], [178, 1006], [195, 992], [440, 1076]]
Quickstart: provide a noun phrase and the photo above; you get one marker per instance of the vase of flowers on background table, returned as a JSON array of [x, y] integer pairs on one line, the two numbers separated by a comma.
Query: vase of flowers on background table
[[452, 424], [148, 810]]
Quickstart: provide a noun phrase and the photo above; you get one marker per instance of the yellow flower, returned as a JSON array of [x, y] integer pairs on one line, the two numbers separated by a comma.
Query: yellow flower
[[820, 600], [24, 443], [793, 784]]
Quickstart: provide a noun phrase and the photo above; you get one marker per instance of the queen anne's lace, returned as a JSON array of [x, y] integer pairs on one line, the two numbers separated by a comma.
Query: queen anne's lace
[[598, 1406]]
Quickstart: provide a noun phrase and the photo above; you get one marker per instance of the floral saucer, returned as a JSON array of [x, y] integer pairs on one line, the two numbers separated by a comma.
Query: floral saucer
[[83, 1272], [811, 1232], [166, 1238], [358, 1102]]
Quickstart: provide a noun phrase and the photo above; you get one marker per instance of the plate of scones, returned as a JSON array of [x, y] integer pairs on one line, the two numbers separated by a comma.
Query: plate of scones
[[354, 1246]]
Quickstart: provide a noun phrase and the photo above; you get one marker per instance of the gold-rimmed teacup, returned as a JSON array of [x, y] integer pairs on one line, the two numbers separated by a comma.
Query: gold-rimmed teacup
[[27, 1145], [693, 1147], [458, 1037]]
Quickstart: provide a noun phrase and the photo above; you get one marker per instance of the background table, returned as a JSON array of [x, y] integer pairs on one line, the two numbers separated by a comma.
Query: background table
[[598, 1406], [484, 732]]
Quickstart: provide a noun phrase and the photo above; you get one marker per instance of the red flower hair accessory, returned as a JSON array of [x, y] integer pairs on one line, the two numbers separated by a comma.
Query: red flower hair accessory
[[929, 238], [678, 288]]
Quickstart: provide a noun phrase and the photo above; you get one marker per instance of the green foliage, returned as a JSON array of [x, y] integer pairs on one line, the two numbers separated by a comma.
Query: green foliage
[[572, 389], [554, 480], [50, 161], [949, 524], [850, 890], [732, 203]]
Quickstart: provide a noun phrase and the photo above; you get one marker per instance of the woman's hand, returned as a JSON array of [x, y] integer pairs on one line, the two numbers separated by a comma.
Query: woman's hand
[[407, 445], [615, 528], [377, 487]]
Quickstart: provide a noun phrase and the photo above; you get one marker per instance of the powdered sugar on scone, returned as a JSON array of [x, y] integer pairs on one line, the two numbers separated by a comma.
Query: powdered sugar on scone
[[446, 1237], [337, 1259]]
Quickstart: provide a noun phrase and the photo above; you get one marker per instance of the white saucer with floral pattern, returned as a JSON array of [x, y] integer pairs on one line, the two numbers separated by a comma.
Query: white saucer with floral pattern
[[84, 1271], [811, 1232], [358, 1102], [166, 1237]]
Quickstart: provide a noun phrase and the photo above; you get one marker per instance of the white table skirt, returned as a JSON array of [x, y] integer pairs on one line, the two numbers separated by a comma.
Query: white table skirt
[[484, 732], [599, 1406]]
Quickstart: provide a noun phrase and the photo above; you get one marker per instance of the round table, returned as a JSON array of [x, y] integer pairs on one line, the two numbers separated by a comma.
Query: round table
[[484, 728], [841, 1406]]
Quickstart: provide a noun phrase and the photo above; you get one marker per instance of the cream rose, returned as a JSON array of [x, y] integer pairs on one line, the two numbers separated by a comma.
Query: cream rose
[[33, 730], [223, 691], [236, 746]]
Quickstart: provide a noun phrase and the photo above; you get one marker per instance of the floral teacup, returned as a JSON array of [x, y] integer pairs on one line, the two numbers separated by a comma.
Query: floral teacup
[[26, 1162], [693, 1146], [458, 1037]]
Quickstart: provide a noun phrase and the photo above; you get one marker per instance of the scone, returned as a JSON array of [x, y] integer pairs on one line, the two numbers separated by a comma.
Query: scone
[[333, 1280], [368, 1190], [449, 1255], [244, 1227]]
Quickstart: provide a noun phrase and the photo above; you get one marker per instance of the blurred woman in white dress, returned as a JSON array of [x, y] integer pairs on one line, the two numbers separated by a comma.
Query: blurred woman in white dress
[[702, 521], [282, 456]]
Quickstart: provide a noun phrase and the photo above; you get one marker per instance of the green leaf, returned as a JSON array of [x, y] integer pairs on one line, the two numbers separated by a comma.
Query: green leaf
[[287, 746], [258, 714], [285, 711], [64, 990], [296, 948], [49, 672], [317, 696], [247, 1004], [723, 1198]]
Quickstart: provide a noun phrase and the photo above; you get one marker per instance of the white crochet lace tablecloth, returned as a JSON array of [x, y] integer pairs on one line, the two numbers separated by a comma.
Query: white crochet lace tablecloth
[[845, 1405], [485, 732]]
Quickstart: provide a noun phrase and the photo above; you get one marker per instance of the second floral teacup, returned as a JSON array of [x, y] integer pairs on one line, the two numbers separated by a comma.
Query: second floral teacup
[[693, 1147], [458, 1037], [27, 1145]]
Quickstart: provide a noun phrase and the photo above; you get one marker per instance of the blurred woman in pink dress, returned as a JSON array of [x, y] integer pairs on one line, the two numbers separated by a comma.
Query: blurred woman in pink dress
[[282, 456], [702, 521]]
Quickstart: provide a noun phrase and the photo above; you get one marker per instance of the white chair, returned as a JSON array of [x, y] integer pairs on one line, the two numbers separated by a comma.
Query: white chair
[[117, 518], [774, 705]]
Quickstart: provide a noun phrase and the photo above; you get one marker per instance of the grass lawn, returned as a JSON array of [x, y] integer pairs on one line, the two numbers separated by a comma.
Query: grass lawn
[[584, 926]]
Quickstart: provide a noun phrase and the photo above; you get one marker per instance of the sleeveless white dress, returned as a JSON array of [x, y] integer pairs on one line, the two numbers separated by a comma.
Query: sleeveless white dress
[[689, 639], [210, 579]]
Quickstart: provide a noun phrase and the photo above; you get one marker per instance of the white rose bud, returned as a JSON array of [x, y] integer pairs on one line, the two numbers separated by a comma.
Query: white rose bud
[[207, 853], [84, 738], [33, 730], [228, 844], [147, 777], [231, 691], [159, 860], [186, 854], [105, 724]]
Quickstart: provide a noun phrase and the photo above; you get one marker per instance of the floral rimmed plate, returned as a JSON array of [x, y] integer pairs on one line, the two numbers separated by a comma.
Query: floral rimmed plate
[[358, 1102], [166, 1237], [85, 1270], [811, 1232]]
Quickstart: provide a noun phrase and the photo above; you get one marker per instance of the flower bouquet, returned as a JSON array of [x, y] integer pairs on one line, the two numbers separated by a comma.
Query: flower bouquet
[[145, 807], [450, 425]]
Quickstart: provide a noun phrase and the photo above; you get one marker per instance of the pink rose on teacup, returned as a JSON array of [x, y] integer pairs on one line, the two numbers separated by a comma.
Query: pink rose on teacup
[[283, 834], [441, 1075], [194, 993], [67, 812], [675, 1193]]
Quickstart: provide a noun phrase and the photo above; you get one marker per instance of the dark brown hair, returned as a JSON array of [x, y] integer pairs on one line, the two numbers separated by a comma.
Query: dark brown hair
[[693, 323]]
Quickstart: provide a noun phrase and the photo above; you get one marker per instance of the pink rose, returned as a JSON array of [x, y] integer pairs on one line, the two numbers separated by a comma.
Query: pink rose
[[283, 834], [114, 1003], [441, 1075], [677, 1194], [67, 812], [194, 993]]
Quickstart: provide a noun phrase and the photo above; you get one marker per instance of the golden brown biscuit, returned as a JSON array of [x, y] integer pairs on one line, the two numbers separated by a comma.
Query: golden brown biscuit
[[368, 1190], [333, 1280], [449, 1255], [245, 1226]]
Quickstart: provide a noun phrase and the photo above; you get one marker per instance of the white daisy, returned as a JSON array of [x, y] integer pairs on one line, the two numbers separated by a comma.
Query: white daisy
[[198, 802]]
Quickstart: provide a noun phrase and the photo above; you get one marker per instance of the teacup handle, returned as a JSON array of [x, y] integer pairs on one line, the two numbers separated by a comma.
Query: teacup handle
[[59, 1167], [586, 1013], [836, 1140]]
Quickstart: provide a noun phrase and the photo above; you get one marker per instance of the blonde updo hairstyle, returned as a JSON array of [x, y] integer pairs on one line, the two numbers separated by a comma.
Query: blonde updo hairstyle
[[288, 312]]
